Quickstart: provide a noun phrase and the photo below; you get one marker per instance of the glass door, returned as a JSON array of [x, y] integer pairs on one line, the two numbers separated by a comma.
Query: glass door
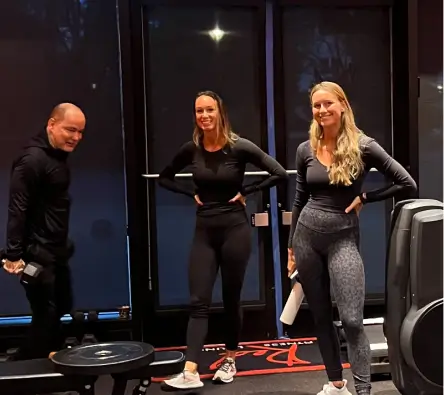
[[262, 57], [186, 48], [350, 44]]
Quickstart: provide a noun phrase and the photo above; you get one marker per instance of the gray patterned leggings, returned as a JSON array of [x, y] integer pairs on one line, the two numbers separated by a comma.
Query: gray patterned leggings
[[326, 249]]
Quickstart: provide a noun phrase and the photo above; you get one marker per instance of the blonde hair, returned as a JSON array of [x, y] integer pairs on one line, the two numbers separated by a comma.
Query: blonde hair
[[224, 133], [347, 157]]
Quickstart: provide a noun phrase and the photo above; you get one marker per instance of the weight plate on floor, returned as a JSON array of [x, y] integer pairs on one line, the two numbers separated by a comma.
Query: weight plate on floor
[[103, 358]]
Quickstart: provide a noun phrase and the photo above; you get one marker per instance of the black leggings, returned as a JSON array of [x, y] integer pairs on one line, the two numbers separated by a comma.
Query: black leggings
[[326, 252], [221, 241]]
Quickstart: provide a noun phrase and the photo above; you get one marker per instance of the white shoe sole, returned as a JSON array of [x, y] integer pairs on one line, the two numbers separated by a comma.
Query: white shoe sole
[[185, 387], [219, 380]]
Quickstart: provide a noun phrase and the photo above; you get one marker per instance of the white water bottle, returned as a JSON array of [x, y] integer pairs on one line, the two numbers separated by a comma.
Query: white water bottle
[[293, 304]]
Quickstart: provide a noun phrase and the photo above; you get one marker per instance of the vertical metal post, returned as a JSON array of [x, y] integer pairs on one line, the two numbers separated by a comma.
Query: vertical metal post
[[269, 37]]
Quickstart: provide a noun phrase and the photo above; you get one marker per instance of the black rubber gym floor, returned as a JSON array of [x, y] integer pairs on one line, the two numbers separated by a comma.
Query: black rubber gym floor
[[307, 383]]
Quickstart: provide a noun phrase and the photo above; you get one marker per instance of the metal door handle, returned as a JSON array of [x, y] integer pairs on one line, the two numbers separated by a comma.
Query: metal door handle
[[286, 218], [259, 219]]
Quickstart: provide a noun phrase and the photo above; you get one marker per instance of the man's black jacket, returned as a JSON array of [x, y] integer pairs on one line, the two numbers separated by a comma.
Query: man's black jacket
[[39, 204]]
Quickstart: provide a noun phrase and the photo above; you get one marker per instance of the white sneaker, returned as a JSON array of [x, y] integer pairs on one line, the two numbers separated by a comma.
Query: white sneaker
[[183, 381], [330, 389], [226, 372]]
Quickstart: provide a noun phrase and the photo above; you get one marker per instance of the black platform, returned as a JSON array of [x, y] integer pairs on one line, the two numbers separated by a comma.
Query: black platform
[[42, 376], [39, 377], [103, 358]]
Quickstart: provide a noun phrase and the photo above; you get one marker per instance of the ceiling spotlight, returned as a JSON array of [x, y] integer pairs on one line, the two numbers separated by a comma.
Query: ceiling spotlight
[[216, 34]]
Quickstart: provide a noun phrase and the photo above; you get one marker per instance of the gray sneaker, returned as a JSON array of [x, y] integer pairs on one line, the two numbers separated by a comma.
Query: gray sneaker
[[226, 372], [182, 381], [330, 389]]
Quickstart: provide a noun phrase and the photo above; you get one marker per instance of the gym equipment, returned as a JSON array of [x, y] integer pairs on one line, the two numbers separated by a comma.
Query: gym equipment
[[414, 297], [77, 317], [71, 342], [124, 361], [77, 369], [103, 358], [10, 352], [124, 312], [375, 328], [90, 328], [30, 273], [89, 338], [92, 316], [38, 377]]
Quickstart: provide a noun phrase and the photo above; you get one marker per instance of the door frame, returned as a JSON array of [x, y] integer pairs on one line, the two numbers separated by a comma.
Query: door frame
[[405, 130], [149, 321], [404, 96]]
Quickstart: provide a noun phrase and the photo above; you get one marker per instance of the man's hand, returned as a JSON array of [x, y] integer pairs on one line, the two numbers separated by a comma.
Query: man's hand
[[14, 267]]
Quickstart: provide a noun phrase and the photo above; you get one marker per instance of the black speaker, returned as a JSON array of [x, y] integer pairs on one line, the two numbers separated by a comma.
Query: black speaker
[[412, 293], [421, 333]]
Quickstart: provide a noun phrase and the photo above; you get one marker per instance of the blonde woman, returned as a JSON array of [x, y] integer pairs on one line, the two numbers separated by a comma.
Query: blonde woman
[[222, 238], [324, 236]]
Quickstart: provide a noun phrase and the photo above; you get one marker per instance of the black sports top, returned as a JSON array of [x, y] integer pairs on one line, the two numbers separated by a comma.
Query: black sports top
[[218, 176], [313, 186]]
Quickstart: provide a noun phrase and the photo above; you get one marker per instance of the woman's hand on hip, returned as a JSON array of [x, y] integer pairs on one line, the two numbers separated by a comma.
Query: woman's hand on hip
[[356, 204], [196, 198], [239, 198], [291, 262]]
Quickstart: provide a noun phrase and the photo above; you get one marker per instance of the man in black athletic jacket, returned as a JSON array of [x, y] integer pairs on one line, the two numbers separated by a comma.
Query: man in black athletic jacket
[[37, 227]]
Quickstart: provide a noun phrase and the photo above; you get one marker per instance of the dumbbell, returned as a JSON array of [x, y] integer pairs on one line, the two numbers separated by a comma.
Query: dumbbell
[[92, 316], [87, 328], [77, 316], [124, 312], [142, 387], [11, 352], [76, 328], [31, 271], [89, 338], [71, 342]]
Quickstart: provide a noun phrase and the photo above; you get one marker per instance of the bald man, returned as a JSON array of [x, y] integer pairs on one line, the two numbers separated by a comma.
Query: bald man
[[37, 227]]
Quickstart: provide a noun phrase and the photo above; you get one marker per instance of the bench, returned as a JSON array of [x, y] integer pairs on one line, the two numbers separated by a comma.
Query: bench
[[38, 376], [43, 376]]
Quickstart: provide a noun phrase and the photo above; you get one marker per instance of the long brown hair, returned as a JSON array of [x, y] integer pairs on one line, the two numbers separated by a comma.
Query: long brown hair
[[347, 157], [224, 132]]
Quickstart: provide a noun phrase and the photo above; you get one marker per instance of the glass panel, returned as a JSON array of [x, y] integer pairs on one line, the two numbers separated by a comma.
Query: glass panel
[[70, 52], [224, 61], [326, 44], [430, 99], [373, 226]]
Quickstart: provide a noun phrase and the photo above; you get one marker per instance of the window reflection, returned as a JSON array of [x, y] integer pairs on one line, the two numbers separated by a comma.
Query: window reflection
[[430, 112], [195, 61], [67, 50], [350, 47]]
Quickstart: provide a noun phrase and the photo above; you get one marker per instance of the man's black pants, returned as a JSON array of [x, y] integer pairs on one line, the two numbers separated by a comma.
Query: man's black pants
[[50, 297]]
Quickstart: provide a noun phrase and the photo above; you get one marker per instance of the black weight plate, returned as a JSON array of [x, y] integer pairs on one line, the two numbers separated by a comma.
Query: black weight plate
[[103, 358]]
